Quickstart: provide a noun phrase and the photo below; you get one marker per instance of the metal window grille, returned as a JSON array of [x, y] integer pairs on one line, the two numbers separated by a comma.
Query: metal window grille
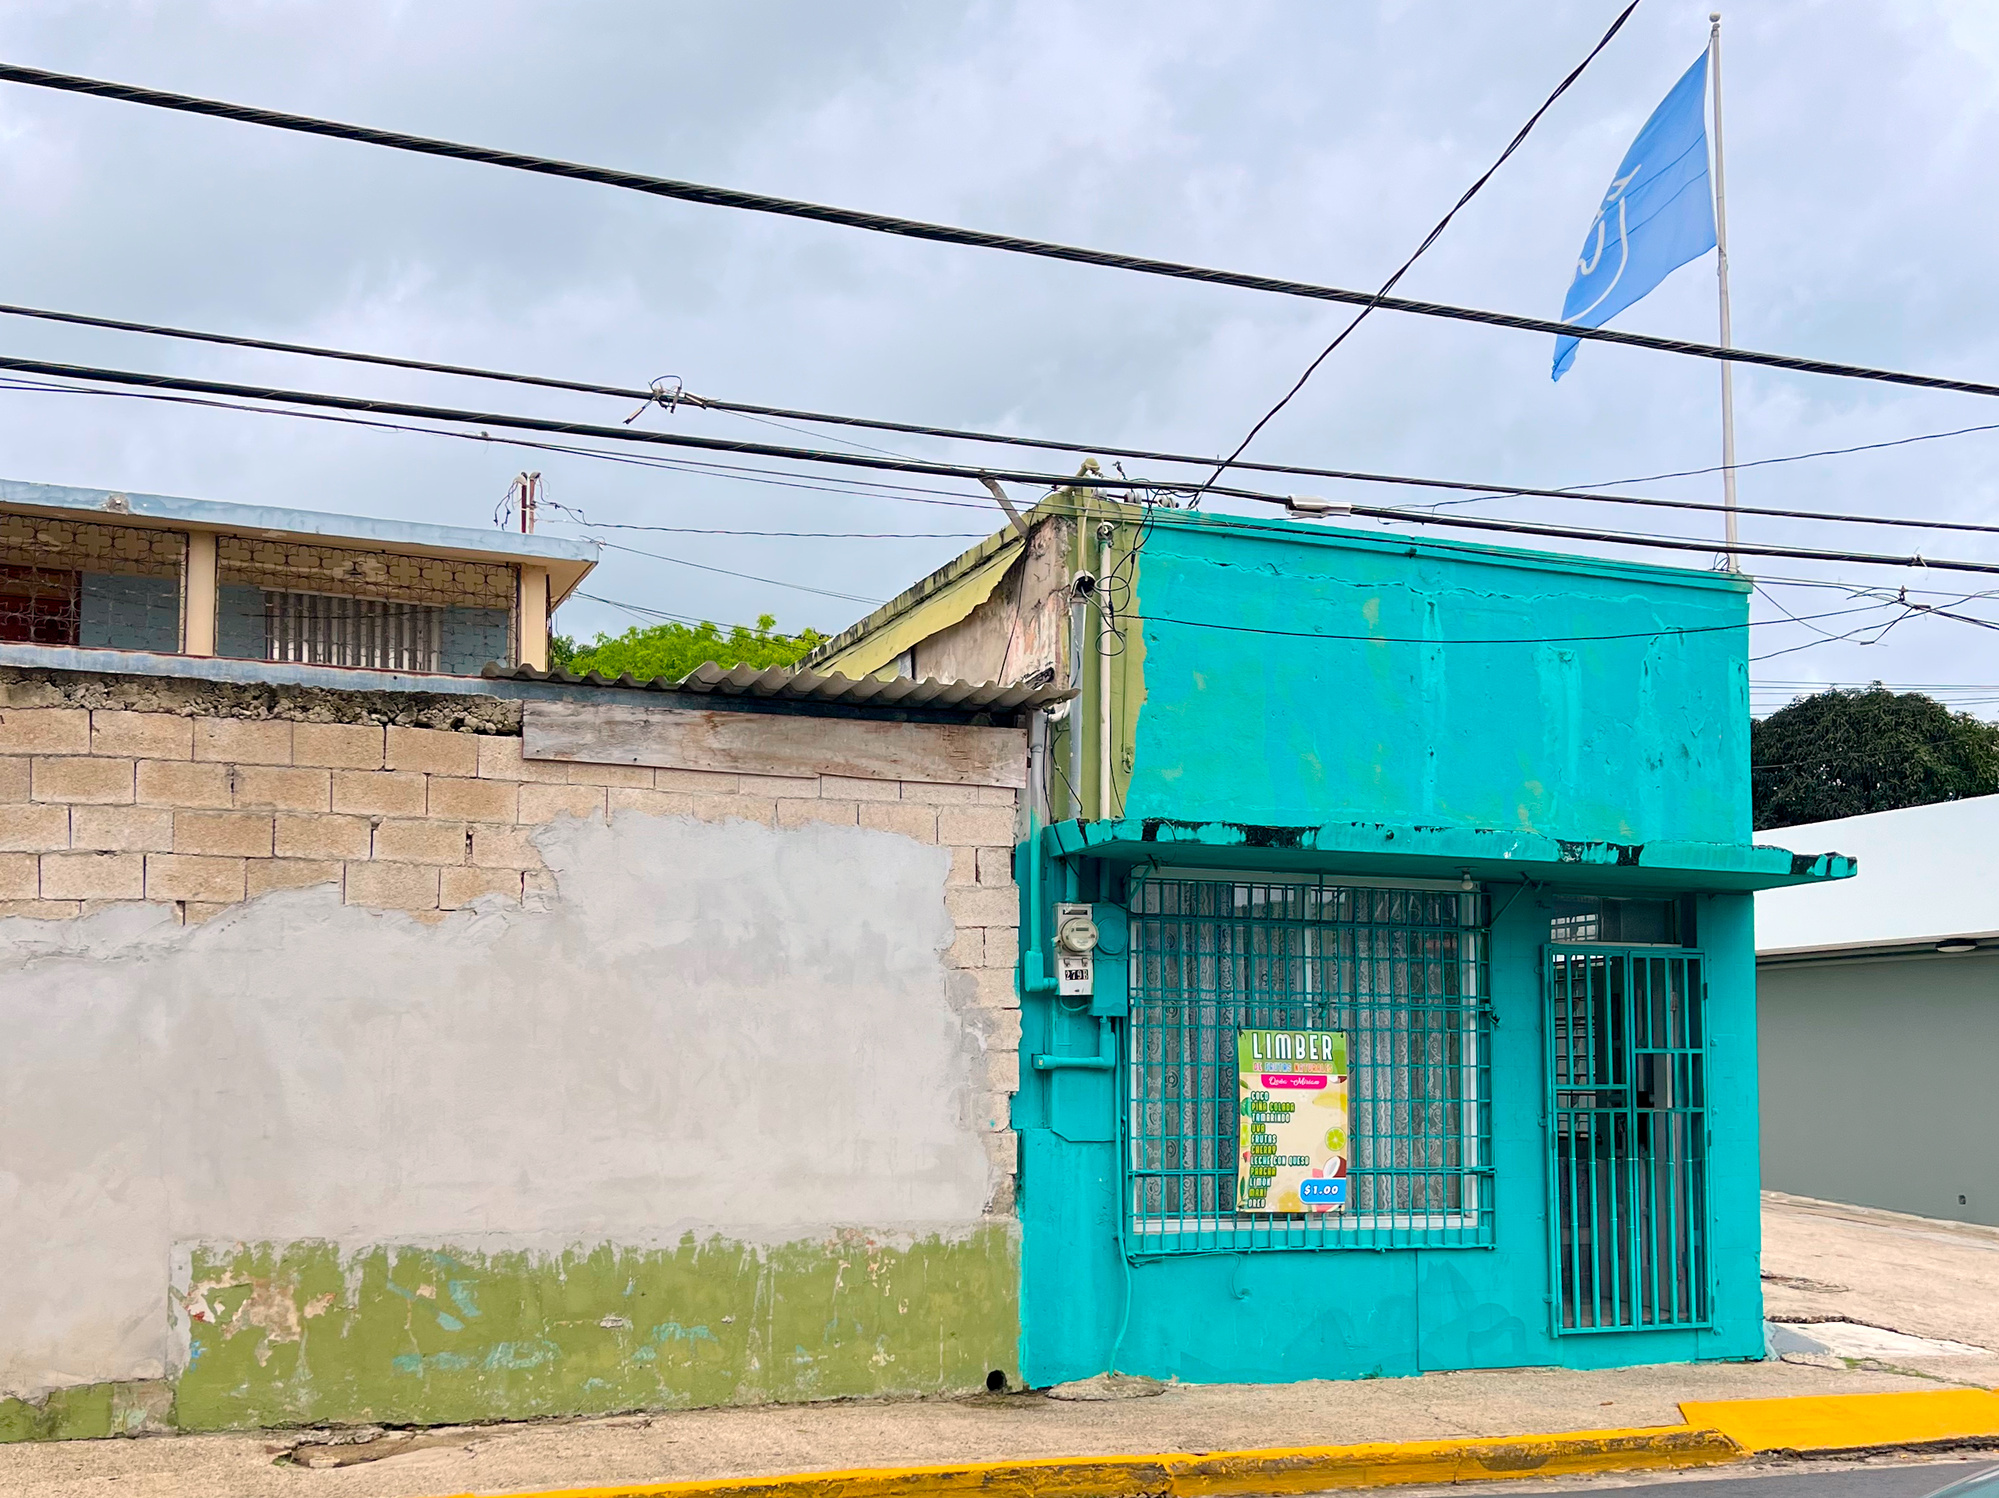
[[71, 582], [39, 605], [1628, 1114], [1403, 972], [322, 629]]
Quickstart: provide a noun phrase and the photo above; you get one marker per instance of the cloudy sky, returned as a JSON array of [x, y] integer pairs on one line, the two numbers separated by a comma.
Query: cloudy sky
[[1315, 141]]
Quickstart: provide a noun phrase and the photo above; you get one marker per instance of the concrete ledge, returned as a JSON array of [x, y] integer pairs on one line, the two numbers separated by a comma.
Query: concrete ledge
[[1299, 1470]]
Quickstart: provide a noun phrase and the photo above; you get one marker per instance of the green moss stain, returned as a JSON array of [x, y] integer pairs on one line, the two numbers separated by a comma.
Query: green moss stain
[[88, 1411], [283, 1334]]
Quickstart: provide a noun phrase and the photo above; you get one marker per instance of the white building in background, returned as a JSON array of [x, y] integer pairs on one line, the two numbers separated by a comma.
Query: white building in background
[[1878, 1002]]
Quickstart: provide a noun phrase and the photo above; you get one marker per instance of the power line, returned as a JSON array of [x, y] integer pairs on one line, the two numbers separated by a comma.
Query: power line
[[932, 469], [315, 351], [775, 582], [725, 197], [1636, 634], [740, 472], [1858, 588], [1777, 683], [1823, 452], [681, 397], [704, 530], [860, 489], [1429, 239], [644, 611]]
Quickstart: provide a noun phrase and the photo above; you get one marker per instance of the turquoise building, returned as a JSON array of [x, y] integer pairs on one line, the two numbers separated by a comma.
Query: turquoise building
[[1387, 968]]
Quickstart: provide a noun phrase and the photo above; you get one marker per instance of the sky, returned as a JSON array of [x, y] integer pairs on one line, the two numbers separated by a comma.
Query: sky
[[1312, 141]]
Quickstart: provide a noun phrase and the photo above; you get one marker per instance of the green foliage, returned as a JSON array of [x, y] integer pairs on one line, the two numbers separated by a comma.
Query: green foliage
[[1843, 753], [673, 650]]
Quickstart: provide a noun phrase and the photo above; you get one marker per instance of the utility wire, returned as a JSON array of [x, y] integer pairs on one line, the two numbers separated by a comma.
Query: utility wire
[[749, 473], [1636, 634], [676, 396], [775, 582], [1429, 239], [1823, 452], [704, 530], [315, 351], [642, 610], [726, 197], [1121, 482]]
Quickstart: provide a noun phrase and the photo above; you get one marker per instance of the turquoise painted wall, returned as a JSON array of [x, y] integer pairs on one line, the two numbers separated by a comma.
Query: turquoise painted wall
[[1621, 739], [1616, 739], [1357, 1313]]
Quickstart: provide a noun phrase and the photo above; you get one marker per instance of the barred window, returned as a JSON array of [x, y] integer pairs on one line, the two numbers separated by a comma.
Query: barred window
[[74, 582], [288, 600], [324, 630], [1400, 971]]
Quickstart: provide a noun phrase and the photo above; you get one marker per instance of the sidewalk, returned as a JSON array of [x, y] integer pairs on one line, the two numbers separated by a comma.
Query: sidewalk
[[1908, 1276]]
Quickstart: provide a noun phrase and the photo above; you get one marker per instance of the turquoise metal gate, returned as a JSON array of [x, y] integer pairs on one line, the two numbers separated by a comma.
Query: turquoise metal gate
[[1628, 1136]]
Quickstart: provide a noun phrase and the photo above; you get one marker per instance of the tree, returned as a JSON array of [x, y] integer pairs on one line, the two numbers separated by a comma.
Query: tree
[[673, 650], [1845, 752]]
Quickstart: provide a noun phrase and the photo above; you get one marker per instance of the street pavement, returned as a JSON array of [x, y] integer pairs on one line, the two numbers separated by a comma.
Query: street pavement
[[1878, 1479]]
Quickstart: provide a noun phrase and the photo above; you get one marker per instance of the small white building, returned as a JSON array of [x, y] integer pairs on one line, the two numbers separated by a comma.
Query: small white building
[[1878, 1004]]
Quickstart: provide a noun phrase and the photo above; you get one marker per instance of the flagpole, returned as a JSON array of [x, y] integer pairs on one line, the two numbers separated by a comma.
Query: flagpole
[[1731, 562]]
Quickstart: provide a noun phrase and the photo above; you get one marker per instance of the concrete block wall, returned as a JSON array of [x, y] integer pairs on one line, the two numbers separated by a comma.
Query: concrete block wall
[[100, 806], [698, 1081]]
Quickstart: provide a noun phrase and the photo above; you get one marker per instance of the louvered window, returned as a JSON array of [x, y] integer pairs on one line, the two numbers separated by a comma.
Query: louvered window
[[322, 629]]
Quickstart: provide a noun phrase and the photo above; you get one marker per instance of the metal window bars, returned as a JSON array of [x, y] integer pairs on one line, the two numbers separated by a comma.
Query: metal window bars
[[1628, 1139], [1402, 972], [325, 629], [39, 605]]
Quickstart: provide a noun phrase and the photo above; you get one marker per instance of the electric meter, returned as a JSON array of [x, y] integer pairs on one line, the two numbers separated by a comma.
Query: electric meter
[[1075, 931]]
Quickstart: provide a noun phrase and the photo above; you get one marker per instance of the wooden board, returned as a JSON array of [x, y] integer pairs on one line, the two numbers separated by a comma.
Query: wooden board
[[751, 743]]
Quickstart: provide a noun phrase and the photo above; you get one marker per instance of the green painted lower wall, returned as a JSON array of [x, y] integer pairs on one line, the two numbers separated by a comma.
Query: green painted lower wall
[[294, 1333], [89, 1411], [300, 1333]]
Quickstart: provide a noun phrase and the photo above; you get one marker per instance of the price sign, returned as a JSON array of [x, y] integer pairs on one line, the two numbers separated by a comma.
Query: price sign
[[1291, 1107]]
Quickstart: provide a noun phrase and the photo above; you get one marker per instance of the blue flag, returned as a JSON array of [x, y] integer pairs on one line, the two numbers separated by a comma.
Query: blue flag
[[1658, 214]]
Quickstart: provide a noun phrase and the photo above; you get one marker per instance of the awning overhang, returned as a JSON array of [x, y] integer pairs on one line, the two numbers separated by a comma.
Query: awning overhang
[[1489, 855]]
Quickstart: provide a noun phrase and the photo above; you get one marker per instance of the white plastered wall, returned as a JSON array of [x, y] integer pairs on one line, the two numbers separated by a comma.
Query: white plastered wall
[[716, 1026]]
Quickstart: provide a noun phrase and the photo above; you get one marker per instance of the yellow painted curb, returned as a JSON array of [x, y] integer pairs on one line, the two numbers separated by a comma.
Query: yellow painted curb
[[1850, 1422], [1296, 1470]]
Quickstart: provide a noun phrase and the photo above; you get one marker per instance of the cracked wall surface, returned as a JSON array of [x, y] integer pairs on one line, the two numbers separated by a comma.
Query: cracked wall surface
[[299, 1011]]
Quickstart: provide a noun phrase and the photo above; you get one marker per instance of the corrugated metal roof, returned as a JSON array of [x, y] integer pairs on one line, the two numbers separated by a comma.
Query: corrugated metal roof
[[813, 686]]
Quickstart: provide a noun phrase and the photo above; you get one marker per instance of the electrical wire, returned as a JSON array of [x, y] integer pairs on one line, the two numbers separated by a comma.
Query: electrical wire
[[812, 483], [775, 582], [643, 611], [703, 530], [782, 416], [1823, 452], [936, 469], [1636, 634], [1858, 629], [1429, 239], [725, 197]]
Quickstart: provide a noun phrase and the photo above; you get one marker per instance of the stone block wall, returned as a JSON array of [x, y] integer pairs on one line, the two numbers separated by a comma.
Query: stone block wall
[[748, 1040], [107, 805]]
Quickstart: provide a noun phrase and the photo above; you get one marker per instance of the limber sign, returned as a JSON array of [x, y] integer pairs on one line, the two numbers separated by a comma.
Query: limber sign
[[1292, 1103]]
